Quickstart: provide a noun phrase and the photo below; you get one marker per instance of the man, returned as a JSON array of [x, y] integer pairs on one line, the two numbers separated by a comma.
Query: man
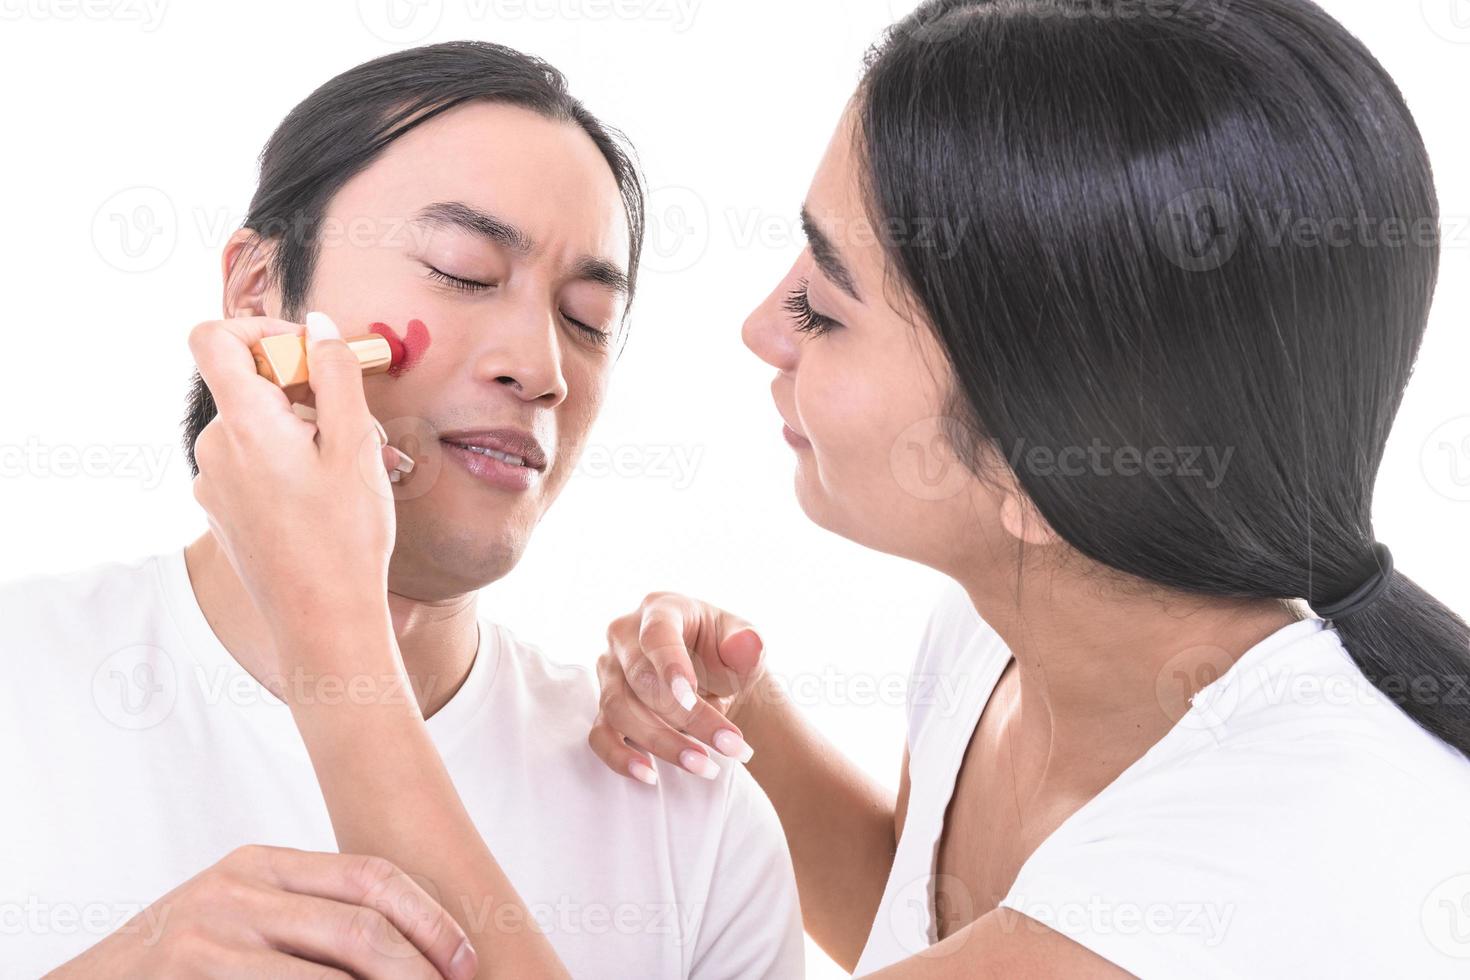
[[163, 813]]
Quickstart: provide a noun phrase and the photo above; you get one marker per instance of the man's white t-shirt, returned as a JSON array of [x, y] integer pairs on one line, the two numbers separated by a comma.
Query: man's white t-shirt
[[137, 753], [1294, 823]]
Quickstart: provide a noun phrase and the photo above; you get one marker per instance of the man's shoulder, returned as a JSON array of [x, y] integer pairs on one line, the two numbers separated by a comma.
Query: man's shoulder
[[38, 606], [561, 700], [545, 682]]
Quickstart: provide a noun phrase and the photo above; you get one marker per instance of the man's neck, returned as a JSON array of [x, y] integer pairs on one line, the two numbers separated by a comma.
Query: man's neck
[[437, 640]]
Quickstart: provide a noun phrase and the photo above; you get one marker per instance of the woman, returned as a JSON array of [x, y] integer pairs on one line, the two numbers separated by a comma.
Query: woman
[[1126, 281], [1156, 278]]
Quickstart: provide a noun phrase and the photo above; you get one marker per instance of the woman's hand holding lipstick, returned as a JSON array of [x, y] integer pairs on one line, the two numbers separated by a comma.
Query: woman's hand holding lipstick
[[303, 510]]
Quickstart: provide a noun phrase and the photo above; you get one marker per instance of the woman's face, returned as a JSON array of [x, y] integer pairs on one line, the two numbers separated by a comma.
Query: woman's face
[[862, 385]]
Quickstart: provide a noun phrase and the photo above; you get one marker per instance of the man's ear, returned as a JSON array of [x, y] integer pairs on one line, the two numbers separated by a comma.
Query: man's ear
[[245, 266]]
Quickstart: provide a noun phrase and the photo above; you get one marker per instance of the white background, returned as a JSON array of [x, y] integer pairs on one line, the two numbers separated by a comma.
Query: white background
[[148, 115]]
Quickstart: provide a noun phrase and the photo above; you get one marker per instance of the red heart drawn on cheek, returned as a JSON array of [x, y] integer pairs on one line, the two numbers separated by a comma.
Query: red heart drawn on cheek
[[406, 351]]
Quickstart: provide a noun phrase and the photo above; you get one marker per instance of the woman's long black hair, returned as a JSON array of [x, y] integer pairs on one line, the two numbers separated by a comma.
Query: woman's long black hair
[[1170, 229]]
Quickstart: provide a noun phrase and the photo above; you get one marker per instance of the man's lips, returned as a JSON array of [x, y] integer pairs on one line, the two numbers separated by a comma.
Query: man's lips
[[513, 446]]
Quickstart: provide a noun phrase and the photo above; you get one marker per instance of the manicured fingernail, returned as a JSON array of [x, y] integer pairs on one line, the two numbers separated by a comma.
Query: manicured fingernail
[[699, 763], [464, 962], [642, 772], [304, 411], [759, 643], [683, 693], [319, 326], [729, 743]]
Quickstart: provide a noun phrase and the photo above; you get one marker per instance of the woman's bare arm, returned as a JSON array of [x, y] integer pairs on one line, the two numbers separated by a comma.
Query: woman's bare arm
[[389, 795]]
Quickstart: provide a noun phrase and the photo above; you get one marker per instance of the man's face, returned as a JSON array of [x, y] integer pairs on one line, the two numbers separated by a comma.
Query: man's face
[[494, 242]]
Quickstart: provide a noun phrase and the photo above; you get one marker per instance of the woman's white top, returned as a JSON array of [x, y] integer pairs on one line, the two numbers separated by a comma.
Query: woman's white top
[[1294, 823]]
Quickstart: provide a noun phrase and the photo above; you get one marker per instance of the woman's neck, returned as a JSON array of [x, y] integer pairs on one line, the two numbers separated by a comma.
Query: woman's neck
[[1104, 671]]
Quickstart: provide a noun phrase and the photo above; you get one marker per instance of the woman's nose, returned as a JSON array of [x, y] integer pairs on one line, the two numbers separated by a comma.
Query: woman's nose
[[768, 330]]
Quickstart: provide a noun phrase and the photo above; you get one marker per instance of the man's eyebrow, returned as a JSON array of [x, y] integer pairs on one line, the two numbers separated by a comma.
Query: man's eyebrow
[[602, 272], [482, 223], [460, 215], [825, 255]]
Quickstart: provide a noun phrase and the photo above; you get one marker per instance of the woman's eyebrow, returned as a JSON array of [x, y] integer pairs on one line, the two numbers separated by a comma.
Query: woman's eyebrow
[[824, 253]]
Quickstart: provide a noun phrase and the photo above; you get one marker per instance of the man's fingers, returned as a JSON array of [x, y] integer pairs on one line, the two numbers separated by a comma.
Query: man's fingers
[[335, 377], [373, 883], [272, 964], [359, 940], [221, 350]]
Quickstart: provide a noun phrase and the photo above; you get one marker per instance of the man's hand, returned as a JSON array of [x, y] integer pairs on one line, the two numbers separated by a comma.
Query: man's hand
[[278, 912]]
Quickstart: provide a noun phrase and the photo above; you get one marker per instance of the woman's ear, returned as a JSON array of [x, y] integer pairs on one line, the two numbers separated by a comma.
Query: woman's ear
[[1020, 518], [245, 266]]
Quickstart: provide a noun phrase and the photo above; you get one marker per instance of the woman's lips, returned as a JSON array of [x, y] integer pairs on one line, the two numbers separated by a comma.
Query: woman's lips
[[794, 438]]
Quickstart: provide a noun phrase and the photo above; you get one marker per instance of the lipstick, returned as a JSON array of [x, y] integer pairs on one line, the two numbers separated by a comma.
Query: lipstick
[[281, 359]]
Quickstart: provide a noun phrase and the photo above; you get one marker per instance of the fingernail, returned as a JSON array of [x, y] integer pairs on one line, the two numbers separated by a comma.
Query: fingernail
[[759, 643], [319, 326], [729, 743], [642, 772], [463, 963], [683, 693], [699, 763], [304, 411]]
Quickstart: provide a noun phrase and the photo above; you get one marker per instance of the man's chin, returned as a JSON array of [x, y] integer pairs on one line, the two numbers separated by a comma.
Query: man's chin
[[450, 562]]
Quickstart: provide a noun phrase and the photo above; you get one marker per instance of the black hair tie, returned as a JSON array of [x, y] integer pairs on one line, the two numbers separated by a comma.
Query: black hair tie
[[1359, 598]]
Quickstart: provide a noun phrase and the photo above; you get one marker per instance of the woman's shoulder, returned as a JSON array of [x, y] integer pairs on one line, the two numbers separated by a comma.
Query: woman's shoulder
[[1295, 822]]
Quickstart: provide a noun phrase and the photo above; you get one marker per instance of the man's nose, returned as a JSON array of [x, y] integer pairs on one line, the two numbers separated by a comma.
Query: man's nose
[[523, 351]]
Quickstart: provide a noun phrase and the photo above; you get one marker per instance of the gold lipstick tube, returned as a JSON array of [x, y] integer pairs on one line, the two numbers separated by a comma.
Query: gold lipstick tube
[[281, 358]]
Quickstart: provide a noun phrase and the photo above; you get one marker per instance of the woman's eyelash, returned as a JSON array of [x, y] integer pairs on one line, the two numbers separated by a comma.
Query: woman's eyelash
[[808, 320]]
